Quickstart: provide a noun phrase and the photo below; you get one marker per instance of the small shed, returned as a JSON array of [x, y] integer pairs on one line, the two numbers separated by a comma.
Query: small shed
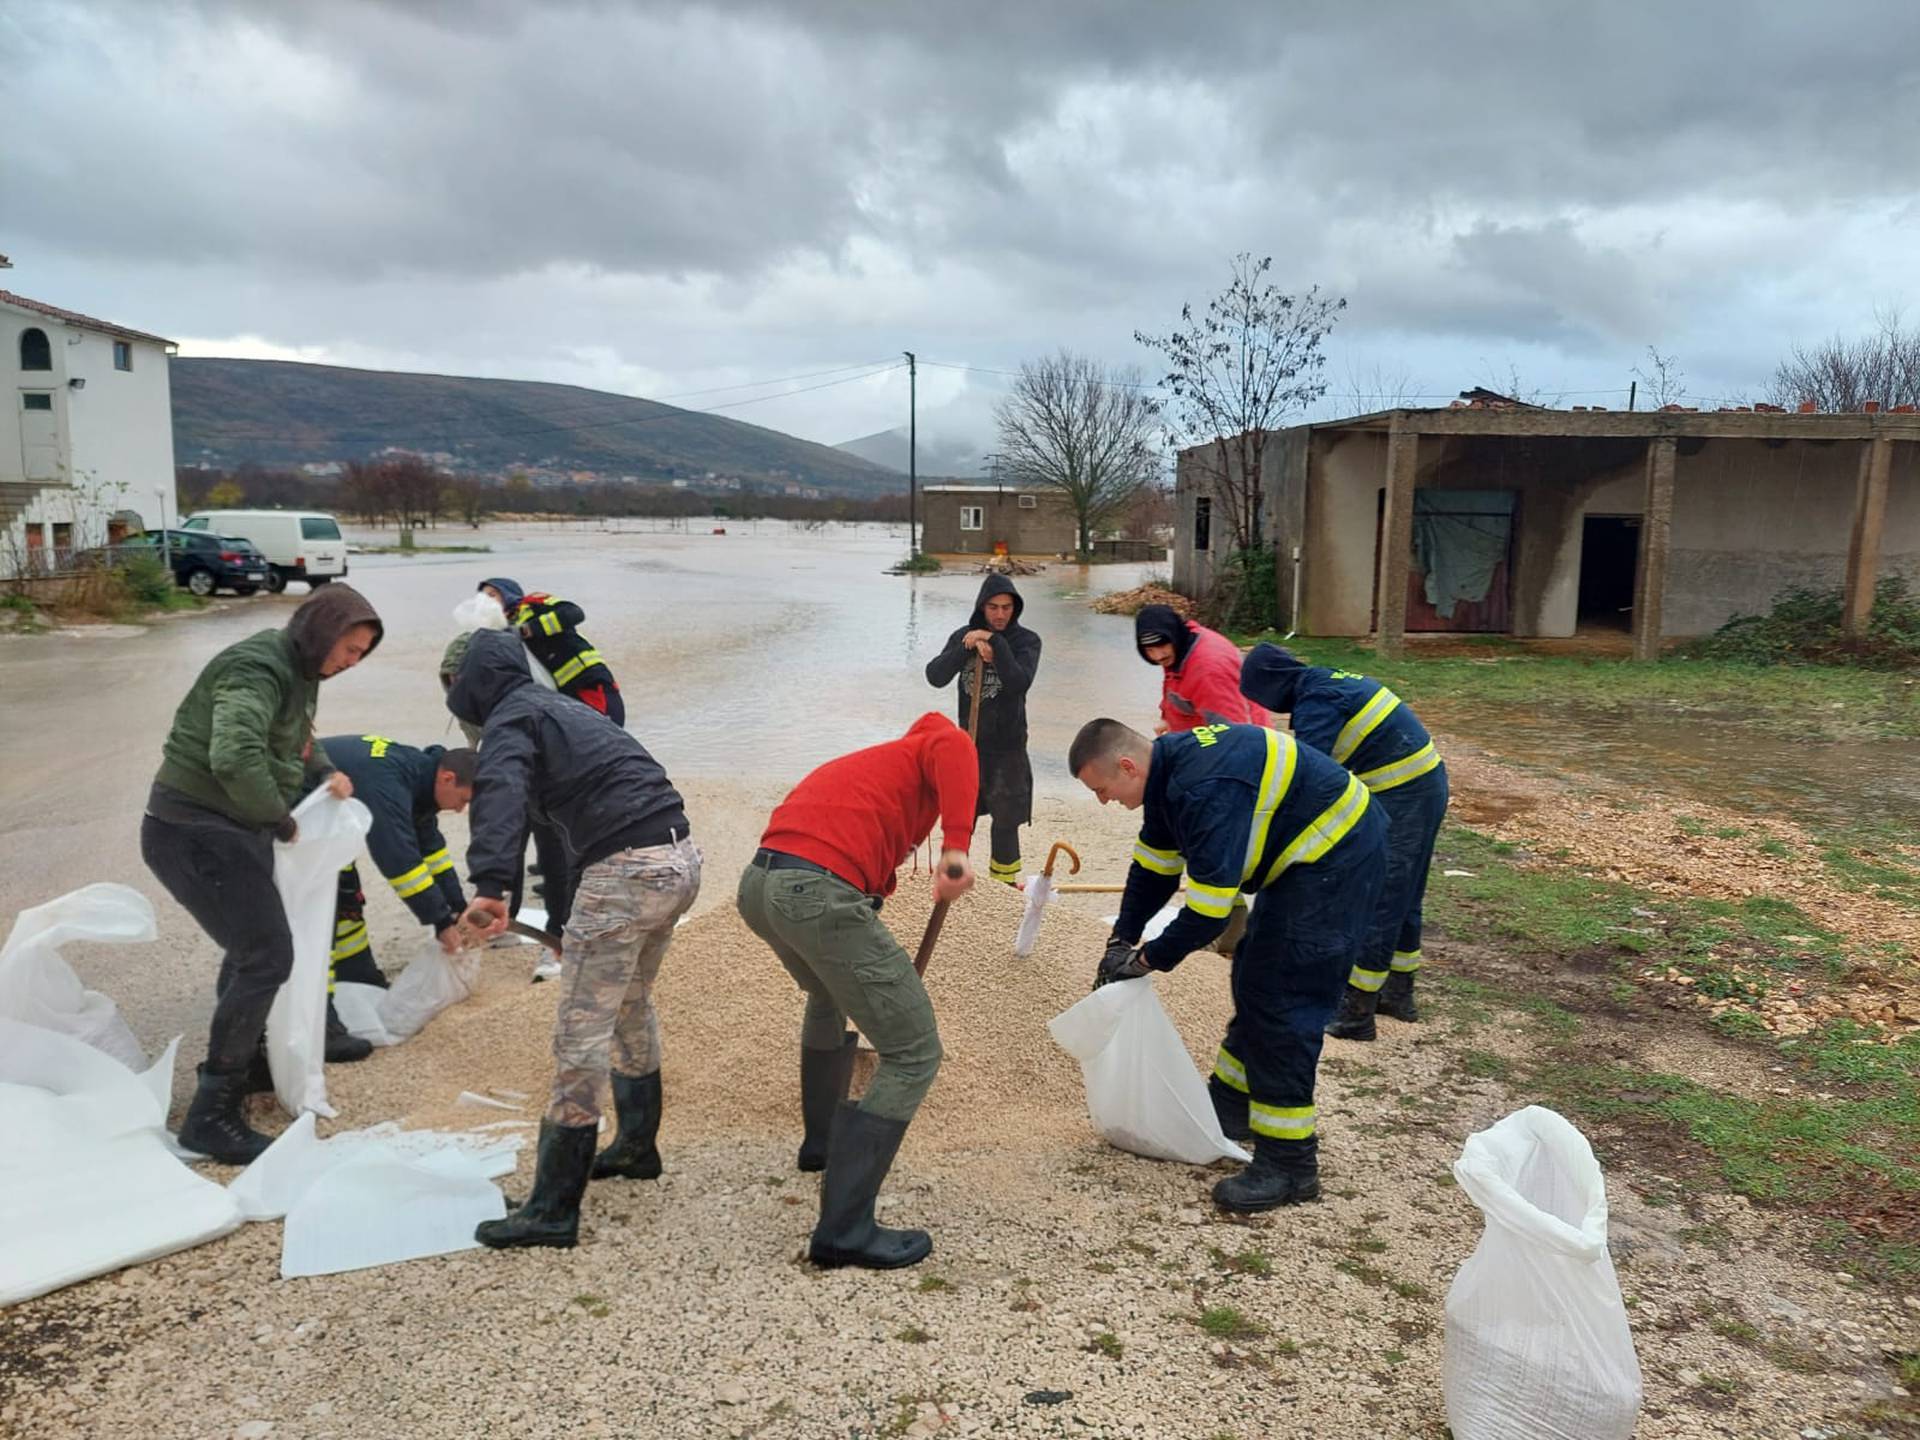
[[977, 519]]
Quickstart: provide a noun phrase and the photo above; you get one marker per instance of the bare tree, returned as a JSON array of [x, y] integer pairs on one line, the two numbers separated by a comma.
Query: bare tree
[[1843, 375], [1071, 425], [1663, 381], [1236, 373]]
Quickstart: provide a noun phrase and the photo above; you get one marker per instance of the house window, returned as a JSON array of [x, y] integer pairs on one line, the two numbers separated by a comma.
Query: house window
[[122, 355], [36, 400], [1029, 502], [35, 352], [973, 517], [1203, 522]]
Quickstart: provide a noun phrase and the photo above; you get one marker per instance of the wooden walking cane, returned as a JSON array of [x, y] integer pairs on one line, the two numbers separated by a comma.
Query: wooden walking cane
[[954, 872]]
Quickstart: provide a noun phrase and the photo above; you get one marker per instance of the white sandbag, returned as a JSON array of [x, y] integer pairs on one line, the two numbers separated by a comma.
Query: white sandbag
[[432, 981], [39, 987], [1537, 1341], [87, 1182], [1143, 1091], [483, 612], [379, 1207], [358, 1007], [277, 1183], [307, 874]]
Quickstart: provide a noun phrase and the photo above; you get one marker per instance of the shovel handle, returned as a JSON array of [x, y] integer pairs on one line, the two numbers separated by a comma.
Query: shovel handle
[[934, 922]]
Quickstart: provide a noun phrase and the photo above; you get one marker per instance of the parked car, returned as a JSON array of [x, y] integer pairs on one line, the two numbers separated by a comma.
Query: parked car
[[299, 544], [201, 562]]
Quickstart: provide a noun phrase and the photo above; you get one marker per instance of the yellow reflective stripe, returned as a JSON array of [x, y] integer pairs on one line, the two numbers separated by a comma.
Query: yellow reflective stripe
[[439, 862], [1012, 867], [550, 623], [413, 882], [1406, 961], [1213, 901], [1365, 719], [1407, 767], [344, 948], [348, 866], [1276, 778], [347, 927], [1231, 1072], [1281, 1122], [1368, 980], [1325, 830], [1160, 862], [573, 669]]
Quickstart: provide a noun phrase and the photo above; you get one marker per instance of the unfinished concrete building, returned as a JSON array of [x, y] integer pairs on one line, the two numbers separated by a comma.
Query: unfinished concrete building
[[1494, 517]]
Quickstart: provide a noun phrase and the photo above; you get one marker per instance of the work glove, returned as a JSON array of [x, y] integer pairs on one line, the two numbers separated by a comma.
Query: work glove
[[1122, 961]]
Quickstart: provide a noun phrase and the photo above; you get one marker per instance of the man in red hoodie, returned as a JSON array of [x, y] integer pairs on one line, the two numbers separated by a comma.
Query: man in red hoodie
[[1200, 682], [827, 859]]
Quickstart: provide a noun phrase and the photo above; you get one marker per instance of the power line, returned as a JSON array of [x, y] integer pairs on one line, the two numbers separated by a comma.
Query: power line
[[756, 384]]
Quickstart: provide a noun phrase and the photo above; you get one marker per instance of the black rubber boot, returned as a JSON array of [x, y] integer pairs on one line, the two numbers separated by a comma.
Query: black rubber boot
[[1355, 1020], [216, 1124], [259, 1072], [1396, 997], [859, 1154], [1283, 1172], [343, 1046], [1230, 1108], [633, 1155], [550, 1216], [825, 1076]]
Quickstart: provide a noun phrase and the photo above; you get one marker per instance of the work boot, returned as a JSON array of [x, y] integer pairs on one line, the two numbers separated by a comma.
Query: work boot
[[633, 1155], [825, 1076], [1355, 1020], [1230, 1108], [1283, 1172], [216, 1124], [259, 1072], [1396, 997], [551, 1214], [343, 1046], [859, 1153], [1229, 940]]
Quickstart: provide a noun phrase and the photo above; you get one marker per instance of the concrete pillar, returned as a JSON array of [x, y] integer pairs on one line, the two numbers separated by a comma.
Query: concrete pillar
[[1396, 541], [1656, 533], [1869, 521]]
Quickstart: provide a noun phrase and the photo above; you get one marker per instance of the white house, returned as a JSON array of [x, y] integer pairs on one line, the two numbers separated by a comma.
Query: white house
[[86, 437]]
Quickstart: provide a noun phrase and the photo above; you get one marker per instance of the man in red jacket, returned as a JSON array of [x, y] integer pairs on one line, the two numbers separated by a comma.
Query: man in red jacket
[[1200, 683], [827, 859]]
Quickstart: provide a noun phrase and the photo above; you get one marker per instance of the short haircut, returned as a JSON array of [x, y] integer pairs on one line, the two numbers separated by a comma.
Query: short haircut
[[460, 764], [1104, 739]]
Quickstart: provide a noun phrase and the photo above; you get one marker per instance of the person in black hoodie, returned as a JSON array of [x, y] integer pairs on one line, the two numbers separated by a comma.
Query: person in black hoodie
[[1012, 656], [623, 825]]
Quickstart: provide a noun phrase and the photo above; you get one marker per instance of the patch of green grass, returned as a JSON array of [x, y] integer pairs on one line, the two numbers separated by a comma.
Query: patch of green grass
[[1687, 825], [1368, 1244], [1285, 1348], [1395, 1357], [1140, 1247], [594, 1305], [1722, 1384], [1108, 1344], [1247, 1262], [1485, 1065], [1906, 1369], [931, 1283], [922, 564], [1409, 1289], [1731, 1328], [1779, 849], [1224, 1322], [912, 1335]]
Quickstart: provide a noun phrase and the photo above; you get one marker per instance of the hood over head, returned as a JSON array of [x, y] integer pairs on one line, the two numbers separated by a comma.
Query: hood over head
[[323, 617], [455, 652], [495, 666], [1161, 625], [996, 584], [1270, 677], [510, 592]]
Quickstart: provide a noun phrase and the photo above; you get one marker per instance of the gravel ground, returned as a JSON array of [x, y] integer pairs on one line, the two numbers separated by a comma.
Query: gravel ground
[[1063, 1297]]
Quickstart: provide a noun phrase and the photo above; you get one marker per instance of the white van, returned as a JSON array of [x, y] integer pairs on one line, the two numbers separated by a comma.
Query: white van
[[299, 544]]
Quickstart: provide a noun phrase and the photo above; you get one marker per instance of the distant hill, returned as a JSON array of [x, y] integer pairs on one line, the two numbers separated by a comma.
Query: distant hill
[[937, 455], [275, 413]]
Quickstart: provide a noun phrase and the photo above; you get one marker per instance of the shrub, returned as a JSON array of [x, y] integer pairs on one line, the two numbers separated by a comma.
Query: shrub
[[1804, 628]]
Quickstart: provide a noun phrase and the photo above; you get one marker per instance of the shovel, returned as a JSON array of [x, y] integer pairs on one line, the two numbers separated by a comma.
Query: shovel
[[939, 916], [1039, 891]]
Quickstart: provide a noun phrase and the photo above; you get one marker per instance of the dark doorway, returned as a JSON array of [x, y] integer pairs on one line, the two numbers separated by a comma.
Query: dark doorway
[[1609, 553]]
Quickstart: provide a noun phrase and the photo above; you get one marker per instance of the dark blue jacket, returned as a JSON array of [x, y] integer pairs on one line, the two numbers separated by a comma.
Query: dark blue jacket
[[1231, 806], [395, 782], [1356, 720]]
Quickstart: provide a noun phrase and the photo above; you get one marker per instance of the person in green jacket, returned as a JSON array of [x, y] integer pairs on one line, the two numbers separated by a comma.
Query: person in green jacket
[[241, 752]]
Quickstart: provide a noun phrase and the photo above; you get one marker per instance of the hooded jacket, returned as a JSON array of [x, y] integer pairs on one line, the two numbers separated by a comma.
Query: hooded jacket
[[1004, 683], [549, 760], [1352, 717], [396, 782], [1202, 686], [862, 815], [242, 742], [550, 628]]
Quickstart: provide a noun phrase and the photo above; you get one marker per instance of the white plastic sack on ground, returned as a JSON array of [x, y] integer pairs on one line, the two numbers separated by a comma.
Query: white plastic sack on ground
[[431, 982], [358, 1007], [1537, 1343], [37, 985], [1142, 1088], [87, 1182], [307, 874]]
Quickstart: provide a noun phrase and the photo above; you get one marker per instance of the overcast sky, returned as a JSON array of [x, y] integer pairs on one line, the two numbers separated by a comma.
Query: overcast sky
[[662, 198]]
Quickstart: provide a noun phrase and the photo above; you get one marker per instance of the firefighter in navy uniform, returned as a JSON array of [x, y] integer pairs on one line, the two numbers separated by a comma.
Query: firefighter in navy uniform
[[406, 789], [1241, 808], [1376, 735], [550, 628]]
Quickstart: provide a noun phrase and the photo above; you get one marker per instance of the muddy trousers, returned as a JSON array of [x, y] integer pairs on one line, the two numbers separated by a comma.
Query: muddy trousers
[[1414, 812], [623, 916], [221, 872], [846, 961], [1288, 974], [351, 958], [1006, 794]]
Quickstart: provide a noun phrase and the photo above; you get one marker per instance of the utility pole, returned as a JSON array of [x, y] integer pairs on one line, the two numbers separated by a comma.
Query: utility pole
[[913, 455]]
